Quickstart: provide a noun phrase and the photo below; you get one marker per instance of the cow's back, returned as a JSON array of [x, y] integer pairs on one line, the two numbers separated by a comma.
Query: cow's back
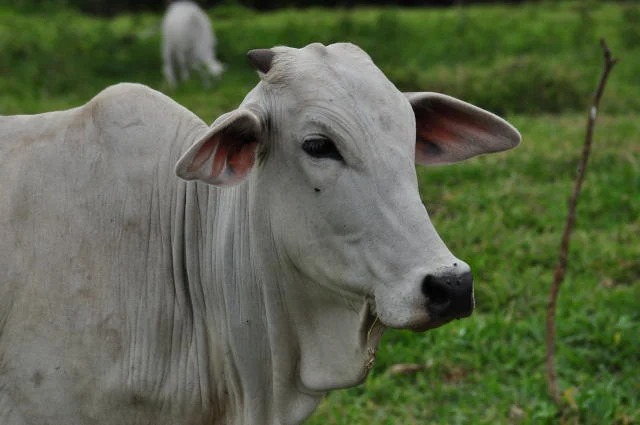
[[88, 197], [188, 29]]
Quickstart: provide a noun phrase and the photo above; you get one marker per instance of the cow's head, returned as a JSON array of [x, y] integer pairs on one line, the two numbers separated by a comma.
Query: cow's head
[[331, 145]]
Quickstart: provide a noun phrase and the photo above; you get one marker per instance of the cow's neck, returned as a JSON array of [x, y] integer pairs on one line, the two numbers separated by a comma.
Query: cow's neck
[[314, 336], [334, 331], [277, 340]]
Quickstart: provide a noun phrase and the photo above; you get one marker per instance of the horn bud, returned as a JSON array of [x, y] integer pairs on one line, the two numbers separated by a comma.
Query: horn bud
[[261, 59]]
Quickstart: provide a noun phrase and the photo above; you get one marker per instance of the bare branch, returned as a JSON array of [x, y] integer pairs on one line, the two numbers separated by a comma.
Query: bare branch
[[558, 276]]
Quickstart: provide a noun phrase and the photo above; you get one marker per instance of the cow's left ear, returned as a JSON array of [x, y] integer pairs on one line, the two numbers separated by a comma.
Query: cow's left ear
[[226, 153], [450, 130]]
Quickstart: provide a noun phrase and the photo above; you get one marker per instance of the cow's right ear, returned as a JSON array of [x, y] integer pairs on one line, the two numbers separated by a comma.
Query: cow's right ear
[[226, 153]]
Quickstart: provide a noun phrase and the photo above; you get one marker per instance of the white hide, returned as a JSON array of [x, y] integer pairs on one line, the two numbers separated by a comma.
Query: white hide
[[188, 42], [131, 296]]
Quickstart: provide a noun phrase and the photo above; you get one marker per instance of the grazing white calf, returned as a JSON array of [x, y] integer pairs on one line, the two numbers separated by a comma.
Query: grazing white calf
[[156, 271], [188, 42]]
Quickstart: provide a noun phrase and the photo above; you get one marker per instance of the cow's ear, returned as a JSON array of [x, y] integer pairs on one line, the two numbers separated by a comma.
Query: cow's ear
[[450, 130], [226, 153]]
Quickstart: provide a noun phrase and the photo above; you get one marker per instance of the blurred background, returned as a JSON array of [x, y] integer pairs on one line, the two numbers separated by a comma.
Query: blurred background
[[536, 63], [102, 7]]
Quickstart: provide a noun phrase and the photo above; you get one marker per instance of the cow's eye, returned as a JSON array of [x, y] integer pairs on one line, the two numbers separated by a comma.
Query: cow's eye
[[321, 147]]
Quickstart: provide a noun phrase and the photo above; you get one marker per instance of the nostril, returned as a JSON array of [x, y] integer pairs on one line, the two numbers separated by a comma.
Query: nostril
[[433, 289]]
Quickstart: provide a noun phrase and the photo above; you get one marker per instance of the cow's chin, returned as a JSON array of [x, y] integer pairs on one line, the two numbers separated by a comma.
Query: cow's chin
[[423, 327], [419, 322]]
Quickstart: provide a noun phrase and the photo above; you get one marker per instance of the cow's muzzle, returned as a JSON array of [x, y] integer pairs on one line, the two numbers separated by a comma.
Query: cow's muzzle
[[449, 296]]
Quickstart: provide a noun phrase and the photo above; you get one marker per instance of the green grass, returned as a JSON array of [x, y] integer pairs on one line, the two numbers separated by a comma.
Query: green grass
[[503, 213], [545, 52]]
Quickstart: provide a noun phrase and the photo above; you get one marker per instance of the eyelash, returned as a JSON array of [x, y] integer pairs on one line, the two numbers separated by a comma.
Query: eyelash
[[321, 147]]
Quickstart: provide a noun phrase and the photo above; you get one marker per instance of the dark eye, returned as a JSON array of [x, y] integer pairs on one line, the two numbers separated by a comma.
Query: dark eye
[[320, 147]]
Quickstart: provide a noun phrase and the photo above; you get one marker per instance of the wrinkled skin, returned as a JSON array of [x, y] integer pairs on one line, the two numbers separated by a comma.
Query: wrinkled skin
[[242, 286]]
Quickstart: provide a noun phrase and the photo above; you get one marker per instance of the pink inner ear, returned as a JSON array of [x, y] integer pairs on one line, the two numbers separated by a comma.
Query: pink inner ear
[[203, 154], [241, 160], [436, 132], [434, 137], [217, 165], [447, 135]]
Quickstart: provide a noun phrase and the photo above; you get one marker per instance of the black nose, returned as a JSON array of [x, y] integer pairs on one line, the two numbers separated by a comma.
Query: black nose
[[449, 296]]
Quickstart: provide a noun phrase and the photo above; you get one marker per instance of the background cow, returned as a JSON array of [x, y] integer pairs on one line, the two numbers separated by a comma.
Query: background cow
[[188, 42], [245, 287]]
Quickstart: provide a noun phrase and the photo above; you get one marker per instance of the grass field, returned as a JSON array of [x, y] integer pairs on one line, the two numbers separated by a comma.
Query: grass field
[[503, 214]]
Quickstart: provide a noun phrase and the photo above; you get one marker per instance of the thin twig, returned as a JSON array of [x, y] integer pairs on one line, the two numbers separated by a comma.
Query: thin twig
[[558, 276]]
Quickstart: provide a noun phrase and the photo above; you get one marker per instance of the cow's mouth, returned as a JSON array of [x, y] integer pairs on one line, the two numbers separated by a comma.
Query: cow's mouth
[[421, 320], [371, 327], [431, 324], [435, 322]]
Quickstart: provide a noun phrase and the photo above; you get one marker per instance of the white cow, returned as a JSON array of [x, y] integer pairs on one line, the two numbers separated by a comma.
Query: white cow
[[188, 42], [245, 287]]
